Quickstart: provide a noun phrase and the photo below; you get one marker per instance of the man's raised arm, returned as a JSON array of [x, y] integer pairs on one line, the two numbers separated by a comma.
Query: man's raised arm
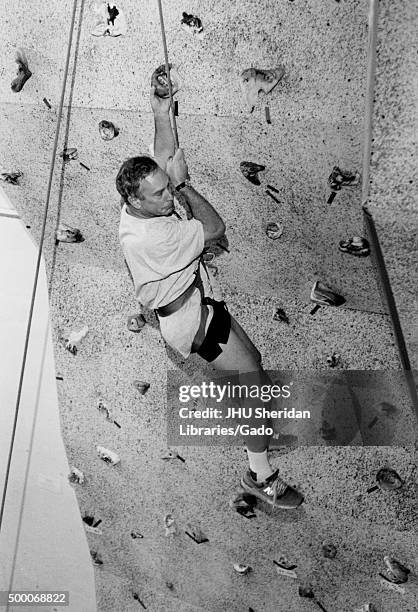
[[213, 226], [163, 139]]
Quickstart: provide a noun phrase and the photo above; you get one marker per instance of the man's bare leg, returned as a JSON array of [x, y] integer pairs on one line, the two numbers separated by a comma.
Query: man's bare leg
[[240, 354]]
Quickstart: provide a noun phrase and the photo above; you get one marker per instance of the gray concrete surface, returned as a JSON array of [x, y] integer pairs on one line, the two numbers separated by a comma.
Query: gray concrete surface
[[317, 117]]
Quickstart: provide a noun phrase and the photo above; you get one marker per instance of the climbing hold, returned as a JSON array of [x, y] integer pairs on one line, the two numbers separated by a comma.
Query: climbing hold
[[208, 257], [285, 568], [135, 535], [23, 72], [170, 455], [388, 479], [170, 525], [327, 431], [136, 323], [244, 504], [324, 296], [334, 360], [97, 560], [159, 80], [388, 409], [192, 24], [102, 407], [254, 81], [213, 270], [45, 101], [242, 569], [107, 456], [141, 386], [91, 526], [274, 230], [393, 586], [74, 338], [250, 170], [11, 177], [342, 178], [108, 130], [76, 476], [65, 233], [69, 153], [169, 585], [306, 591], [196, 534], [356, 245], [280, 315], [329, 550], [111, 20], [396, 571]]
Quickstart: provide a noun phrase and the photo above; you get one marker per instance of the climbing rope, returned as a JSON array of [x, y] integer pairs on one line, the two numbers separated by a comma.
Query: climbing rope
[[167, 69], [34, 289]]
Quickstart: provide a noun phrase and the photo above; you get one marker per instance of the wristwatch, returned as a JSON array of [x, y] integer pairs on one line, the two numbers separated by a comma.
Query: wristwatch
[[185, 183]]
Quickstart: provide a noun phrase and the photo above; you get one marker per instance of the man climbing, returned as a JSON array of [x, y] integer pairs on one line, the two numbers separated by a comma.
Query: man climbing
[[163, 254]]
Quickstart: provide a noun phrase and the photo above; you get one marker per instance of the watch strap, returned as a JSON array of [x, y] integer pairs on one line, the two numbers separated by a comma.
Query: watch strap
[[185, 183]]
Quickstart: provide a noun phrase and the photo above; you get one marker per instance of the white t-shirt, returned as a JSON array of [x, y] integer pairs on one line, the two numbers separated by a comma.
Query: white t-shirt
[[162, 254]]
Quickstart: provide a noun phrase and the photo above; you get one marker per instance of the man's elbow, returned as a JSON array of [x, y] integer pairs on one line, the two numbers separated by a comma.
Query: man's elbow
[[216, 232], [221, 230]]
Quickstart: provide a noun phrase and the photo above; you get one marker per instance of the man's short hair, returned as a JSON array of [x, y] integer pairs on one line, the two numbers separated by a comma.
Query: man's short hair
[[131, 173]]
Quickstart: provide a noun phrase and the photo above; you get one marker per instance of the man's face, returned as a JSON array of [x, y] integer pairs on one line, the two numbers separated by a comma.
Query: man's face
[[156, 199]]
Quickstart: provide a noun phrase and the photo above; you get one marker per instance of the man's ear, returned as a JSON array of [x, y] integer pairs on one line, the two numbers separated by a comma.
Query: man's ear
[[134, 201]]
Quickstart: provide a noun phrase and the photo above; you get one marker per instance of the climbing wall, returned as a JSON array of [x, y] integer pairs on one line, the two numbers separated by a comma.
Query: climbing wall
[[316, 114], [394, 173]]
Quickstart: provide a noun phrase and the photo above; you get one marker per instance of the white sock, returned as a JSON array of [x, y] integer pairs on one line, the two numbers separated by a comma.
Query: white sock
[[259, 464]]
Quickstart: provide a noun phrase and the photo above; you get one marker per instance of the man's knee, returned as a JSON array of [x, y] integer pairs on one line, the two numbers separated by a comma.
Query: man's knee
[[258, 358], [241, 333]]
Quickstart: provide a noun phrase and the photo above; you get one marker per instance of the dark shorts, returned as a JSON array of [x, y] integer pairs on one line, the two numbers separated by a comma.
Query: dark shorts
[[218, 330]]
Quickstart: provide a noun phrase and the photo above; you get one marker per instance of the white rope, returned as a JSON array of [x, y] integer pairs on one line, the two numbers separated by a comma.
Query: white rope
[[167, 69]]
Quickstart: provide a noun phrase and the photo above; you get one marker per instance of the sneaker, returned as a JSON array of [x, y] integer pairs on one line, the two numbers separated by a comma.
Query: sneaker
[[273, 490], [355, 246]]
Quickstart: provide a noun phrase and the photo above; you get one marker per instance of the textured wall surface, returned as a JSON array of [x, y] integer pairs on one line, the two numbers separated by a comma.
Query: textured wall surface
[[394, 170], [317, 121]]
